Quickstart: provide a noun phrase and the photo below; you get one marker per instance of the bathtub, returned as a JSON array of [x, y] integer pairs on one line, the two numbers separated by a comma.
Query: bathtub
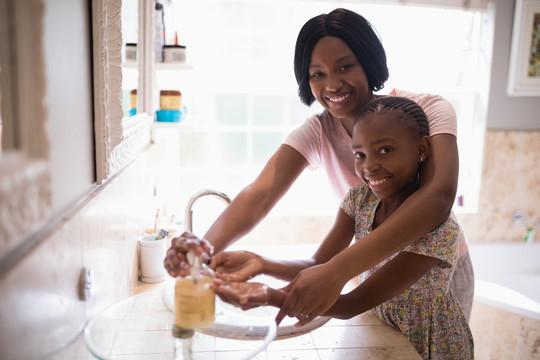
[[505, 318], [507, 275]]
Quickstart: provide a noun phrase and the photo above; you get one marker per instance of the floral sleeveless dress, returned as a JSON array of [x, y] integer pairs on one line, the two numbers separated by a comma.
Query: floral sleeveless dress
[[427, 313]]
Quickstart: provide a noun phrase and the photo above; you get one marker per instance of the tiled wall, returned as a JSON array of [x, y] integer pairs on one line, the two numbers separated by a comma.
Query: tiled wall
[[503, 335], [510, 182]]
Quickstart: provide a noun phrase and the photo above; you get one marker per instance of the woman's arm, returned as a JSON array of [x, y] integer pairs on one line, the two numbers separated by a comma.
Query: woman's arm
[[420, 213], [256, 200], [247, 209]]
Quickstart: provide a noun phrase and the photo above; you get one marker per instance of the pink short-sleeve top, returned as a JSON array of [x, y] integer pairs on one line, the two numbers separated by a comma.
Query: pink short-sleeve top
[[324, 142]]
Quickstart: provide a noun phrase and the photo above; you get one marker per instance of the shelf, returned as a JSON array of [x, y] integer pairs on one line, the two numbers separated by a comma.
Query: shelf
[[173, 66], [160, 66]]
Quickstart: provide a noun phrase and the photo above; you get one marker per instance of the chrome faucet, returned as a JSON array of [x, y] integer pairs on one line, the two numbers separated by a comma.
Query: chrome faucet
[[197, 195]]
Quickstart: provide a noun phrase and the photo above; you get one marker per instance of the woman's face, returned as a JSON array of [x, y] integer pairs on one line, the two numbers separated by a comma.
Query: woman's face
[[336, 78]]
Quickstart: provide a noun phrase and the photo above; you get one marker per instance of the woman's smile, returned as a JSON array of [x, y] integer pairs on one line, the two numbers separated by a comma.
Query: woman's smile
[[337, 80], [339, 100]]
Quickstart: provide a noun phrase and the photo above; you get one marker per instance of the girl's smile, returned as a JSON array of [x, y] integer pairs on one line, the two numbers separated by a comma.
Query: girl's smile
[[386, 156]]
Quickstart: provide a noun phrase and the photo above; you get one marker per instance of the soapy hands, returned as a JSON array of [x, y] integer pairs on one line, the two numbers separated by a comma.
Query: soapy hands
[[245, 295], [311, 293], [229, 266], [237, 265], [176, 258]]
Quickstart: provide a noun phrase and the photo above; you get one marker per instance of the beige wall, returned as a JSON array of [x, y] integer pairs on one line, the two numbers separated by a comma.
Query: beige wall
[[40, 308], [510, 181]]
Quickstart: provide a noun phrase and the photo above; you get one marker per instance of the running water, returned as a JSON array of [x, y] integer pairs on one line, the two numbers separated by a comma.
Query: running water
[[183, 349]]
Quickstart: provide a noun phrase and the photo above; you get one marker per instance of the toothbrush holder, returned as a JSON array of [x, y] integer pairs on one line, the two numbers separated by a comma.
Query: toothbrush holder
[[151, 255]]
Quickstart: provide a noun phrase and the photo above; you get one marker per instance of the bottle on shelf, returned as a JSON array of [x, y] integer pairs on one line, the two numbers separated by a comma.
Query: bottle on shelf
[[159, 32]]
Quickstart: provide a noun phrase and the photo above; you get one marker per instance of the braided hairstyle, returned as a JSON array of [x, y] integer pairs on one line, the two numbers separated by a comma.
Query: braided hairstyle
[[414, 118]]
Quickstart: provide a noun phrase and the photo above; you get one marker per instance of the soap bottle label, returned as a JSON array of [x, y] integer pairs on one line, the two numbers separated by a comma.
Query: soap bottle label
[[194, 302]]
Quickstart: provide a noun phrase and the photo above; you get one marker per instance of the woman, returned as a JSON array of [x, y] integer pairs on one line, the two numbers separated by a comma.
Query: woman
[[342, 76]]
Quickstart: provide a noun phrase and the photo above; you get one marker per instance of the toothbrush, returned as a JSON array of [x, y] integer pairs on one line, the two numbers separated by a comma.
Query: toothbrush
[[155, 225]]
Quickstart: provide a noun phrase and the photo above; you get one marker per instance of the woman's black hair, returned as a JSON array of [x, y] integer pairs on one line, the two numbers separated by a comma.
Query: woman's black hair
[[359, 36], [414, 118]]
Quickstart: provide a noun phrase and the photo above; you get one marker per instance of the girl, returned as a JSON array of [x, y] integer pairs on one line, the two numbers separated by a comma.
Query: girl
[[339, 61], [410, 289]]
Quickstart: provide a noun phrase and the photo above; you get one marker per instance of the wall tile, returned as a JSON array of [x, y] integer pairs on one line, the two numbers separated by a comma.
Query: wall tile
[[510, 181]]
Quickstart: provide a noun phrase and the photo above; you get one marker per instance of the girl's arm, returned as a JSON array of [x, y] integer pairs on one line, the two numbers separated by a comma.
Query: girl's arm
[[316, 289], [243, 265], [337, 239], [389, 281], [247, 209]]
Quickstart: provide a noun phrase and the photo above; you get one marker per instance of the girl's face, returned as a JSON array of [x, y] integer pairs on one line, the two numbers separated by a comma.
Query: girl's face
[[387, 155], [336, 78]]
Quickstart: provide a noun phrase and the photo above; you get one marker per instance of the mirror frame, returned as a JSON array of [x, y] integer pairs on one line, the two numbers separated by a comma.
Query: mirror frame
[[119, 138]]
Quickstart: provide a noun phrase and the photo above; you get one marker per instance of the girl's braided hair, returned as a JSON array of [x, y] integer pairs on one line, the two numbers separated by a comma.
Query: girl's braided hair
[[414, 115]]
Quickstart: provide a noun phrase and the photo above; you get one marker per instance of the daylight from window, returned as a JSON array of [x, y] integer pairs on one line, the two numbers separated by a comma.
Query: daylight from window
[[241, 95]]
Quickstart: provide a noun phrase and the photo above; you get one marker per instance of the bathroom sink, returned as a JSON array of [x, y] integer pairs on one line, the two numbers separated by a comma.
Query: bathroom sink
[[223, 328]]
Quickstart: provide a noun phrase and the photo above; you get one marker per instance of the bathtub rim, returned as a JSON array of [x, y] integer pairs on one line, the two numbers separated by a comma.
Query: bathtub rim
[[505, 298]]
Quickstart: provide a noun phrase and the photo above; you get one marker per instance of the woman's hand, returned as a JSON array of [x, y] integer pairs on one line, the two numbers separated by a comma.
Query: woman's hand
[[245, 295], [176, 261], [311, 293], [237, 265]]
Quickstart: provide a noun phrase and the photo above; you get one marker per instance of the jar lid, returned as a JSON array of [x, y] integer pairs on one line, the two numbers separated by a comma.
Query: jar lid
[[134, 91], [170, 92], [131, 44]]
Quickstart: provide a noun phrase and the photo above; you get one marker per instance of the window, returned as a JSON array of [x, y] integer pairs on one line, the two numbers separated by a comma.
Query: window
[[242, 96]]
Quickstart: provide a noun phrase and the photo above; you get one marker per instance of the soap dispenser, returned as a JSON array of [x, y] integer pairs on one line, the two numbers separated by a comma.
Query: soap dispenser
[[194, 300]]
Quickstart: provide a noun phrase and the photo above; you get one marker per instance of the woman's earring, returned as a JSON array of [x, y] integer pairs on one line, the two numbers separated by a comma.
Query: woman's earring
[[421, 159]]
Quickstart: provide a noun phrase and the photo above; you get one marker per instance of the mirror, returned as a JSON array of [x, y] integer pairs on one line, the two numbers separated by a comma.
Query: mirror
[[130, 15]]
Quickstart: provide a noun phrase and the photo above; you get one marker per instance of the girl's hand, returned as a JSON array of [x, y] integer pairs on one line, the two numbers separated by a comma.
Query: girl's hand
[[245, 295], [176, 261], [237, 265], [311, 294]]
